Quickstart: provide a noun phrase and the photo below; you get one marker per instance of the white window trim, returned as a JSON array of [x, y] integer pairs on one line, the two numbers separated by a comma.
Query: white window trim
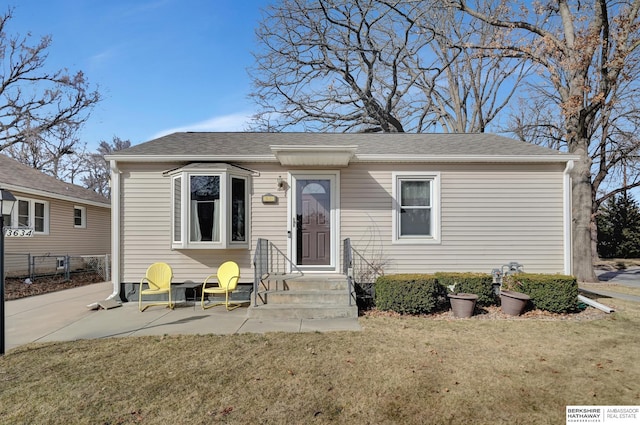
[[435, 208], [32, 214], [83, 217], [229, 224], [226, 174]]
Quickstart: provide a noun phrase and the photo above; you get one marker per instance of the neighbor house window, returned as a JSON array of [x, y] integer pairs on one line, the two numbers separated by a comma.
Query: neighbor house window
[[210, 207], [31, 213], [416, 208], [79, 217]]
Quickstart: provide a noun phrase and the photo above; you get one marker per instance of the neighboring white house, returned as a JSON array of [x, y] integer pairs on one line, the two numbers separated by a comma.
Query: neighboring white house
[[66, 219], [411, 203]]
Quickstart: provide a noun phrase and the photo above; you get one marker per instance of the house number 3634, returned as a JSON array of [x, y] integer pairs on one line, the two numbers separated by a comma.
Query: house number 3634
[[17, 233]]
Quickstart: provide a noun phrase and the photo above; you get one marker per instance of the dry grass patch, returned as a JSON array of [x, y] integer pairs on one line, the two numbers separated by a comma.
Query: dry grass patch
[[409, 370], [612, 287]]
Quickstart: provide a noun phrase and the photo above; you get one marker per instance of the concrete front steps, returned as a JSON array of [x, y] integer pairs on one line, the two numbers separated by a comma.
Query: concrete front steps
[[305, 297]]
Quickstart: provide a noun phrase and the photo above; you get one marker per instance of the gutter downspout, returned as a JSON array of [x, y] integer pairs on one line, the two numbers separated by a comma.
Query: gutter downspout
[[115, 230], [595, 304], [568, 218]]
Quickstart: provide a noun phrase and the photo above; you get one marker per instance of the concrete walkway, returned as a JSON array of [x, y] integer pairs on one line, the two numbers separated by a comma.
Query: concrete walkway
[[64, 316]]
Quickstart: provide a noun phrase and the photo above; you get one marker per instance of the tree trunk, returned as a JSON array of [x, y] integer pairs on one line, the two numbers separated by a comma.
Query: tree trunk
[[581, 212]]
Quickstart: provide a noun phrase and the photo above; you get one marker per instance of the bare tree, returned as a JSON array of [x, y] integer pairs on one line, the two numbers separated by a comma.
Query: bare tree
[[475, 85], [584, 51], [96, 169], [57, 156], [375, 65], [335, 65], [40, 111]]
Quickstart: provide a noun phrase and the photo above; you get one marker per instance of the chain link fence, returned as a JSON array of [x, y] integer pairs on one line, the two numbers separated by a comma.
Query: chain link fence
[[18, 265]]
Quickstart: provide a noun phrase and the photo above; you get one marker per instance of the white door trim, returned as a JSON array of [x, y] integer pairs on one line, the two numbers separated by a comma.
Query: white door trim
[[334, 177]]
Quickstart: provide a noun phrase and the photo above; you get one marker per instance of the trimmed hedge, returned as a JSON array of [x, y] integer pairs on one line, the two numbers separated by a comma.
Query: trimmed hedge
[[425, 293], [408, 293], [555, 293], [480, 284]]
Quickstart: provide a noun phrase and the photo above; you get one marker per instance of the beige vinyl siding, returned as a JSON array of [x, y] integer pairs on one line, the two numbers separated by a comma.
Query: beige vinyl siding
[[490, 215], [366, 212], [269, 221], [146, 224], [63, 238]]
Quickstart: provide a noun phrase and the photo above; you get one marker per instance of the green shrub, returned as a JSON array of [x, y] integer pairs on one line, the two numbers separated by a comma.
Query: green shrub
[[555, 293], [408, 293], [480, 284]]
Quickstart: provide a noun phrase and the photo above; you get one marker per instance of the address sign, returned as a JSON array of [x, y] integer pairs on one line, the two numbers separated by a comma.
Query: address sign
[[18, 232]]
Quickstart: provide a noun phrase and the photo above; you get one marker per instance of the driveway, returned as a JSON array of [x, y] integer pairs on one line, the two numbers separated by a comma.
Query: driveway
[[628, 277]]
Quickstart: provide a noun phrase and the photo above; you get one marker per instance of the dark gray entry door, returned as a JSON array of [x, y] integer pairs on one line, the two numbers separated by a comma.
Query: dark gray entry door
[[313, 216]]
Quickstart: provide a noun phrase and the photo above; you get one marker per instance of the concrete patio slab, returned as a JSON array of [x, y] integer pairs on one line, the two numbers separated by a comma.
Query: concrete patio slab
[[65, 316]]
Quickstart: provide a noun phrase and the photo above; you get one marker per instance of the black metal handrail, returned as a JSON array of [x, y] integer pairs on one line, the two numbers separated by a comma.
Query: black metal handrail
[[269, 260], [360, 272], [347, 269]]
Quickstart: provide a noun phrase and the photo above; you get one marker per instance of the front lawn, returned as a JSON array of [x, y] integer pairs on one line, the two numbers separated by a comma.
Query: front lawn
[[398, 370]]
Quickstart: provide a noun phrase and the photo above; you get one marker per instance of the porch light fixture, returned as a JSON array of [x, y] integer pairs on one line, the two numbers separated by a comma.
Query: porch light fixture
[[7, 201], [280, 183]]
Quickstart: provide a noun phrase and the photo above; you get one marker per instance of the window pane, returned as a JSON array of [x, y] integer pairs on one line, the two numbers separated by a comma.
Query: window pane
[[238, 210], [415, 222], [39, 217], [177, 209], [205, 208], [23, 213], [77, 217], [415, 193]]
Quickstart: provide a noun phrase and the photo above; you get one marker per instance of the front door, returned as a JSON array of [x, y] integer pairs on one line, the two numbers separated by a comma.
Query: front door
[[313, 237]]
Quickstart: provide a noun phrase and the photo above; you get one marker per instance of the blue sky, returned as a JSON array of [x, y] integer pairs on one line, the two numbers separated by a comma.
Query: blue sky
[[160, 65]]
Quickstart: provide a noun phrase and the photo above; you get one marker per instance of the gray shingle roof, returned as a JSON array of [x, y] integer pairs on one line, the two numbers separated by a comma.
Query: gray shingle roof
[[22, 177], [236, 146]]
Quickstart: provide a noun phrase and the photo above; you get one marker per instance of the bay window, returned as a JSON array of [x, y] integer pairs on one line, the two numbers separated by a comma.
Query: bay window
[[210, 205], [416, 217]]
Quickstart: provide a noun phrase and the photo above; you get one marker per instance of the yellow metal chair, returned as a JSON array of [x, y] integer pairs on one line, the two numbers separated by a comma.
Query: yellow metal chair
[[158, 278], [228, 276]]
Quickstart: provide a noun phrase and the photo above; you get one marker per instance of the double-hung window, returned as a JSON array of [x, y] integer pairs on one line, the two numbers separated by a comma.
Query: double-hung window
[[416, 215], [79, 217], [31, 213], [210, 207]]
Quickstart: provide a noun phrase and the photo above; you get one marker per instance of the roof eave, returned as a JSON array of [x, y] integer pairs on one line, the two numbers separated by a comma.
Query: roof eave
[[187, 158], [356, 158], [53, 195], [467, 158]]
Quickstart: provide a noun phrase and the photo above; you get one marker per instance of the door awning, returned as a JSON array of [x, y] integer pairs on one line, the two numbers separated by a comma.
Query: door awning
[[313, 156]]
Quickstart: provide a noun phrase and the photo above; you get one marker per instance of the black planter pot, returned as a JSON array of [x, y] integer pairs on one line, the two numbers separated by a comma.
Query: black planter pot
[[513, 303], [463, 304]]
